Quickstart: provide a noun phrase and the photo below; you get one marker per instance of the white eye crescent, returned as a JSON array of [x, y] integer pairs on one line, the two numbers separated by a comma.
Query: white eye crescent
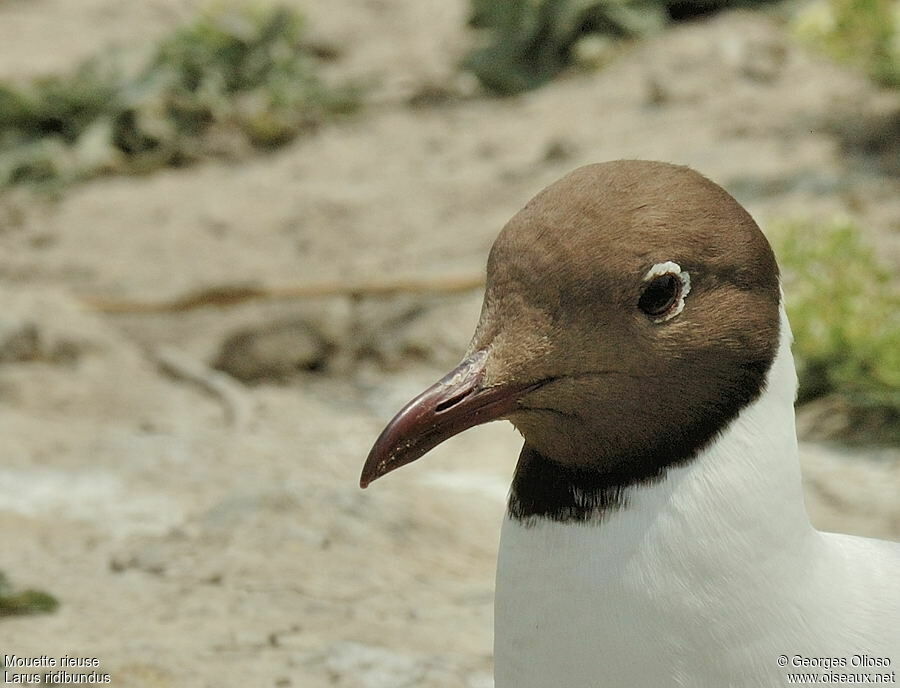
[[667, 287]]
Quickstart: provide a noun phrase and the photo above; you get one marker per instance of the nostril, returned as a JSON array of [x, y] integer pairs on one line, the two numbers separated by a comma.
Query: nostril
[[452, 401]]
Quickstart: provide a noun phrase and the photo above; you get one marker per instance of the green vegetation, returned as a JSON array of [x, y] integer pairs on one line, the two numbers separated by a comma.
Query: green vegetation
[[865, 33], [16, 603], [236, 78], [531, 42], [528, 42], [844, 308]]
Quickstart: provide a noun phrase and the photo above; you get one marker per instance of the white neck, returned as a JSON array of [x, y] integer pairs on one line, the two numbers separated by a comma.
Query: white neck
[[693, 542], [730, 491]]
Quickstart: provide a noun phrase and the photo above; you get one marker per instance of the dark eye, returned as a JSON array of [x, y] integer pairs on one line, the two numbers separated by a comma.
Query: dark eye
[[660, 295]]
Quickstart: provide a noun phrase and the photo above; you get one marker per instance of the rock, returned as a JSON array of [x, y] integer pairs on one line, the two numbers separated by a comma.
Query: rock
[[26, 335], [273, 352]]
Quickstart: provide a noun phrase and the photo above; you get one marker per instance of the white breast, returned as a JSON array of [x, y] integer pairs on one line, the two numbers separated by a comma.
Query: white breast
[[702, 579]]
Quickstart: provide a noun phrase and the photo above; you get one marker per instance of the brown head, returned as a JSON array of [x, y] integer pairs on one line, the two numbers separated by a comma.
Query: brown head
[[631, 312]]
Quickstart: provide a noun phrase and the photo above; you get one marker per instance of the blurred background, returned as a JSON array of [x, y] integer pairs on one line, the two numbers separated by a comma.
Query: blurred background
[[236, 237]]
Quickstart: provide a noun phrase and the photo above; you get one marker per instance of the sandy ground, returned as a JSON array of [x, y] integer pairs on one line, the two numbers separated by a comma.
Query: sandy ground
[[200, 531]]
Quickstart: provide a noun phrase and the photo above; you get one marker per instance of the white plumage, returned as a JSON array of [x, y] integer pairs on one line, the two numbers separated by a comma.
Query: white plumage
[[703, 579]]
